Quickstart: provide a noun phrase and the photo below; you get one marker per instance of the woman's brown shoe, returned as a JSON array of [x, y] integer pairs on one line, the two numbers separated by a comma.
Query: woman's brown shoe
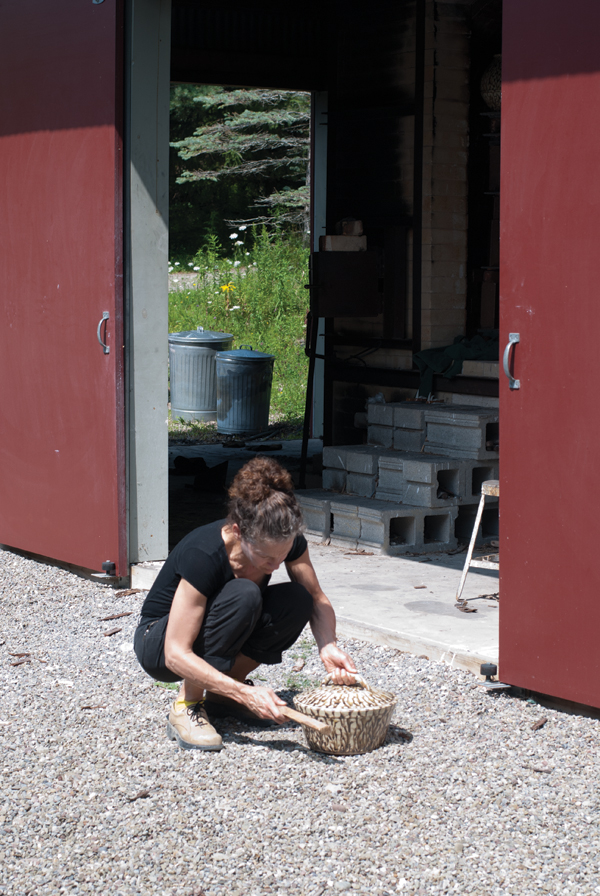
[[191, 728]]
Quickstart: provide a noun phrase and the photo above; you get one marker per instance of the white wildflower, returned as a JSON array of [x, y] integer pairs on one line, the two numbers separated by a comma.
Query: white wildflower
[[247, 253], [190, 264], [236, 264], [176, 263], [238, 243], [233, 236], [235, 307], [196, 268], [242, 226]]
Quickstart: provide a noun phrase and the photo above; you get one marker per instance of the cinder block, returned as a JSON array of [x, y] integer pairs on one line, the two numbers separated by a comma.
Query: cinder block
[[345, 522], [315, 504], [391, 483], [365, 458], [361, 484], [334, 456], [432, 480], [408, 439], [401, 528], [488, 528], [393, 497], [380, 414], [382, 436], [461, 431], [335, 480], [409, 415]]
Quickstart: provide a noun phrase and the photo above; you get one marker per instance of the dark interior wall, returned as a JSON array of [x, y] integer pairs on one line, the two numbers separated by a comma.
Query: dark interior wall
[[265, 43], [371, 104], [484, 173], [370, 147]]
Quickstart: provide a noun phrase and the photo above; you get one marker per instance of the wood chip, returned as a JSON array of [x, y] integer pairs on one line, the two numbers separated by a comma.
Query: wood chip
[[96, 706], [142, 795], [19, 654], [338, 807], [360, 553], [544, 771], [113, 631], [539, 724], [298, 666], [416, 587], [20, 662], [116, 616], [128, 591]]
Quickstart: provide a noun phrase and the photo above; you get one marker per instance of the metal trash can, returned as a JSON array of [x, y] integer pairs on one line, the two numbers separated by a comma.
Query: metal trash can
[[192, 355], [244, 379]]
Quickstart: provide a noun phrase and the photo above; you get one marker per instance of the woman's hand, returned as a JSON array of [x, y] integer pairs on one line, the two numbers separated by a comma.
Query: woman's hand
[[265, 703], [338, 664]]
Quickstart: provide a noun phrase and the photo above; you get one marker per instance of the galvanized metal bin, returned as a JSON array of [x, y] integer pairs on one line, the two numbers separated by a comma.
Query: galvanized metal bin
[[192, 361], [244, 380]]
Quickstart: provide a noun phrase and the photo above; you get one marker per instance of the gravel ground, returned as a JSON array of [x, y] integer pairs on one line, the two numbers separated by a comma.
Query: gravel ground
[[464, 797]]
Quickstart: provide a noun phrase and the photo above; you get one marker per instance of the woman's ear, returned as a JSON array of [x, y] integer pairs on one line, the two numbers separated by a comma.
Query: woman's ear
[[236, 531]]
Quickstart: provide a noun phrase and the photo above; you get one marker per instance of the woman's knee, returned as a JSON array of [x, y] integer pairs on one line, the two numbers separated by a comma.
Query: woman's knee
[[242, 591], [240, 600], [290, 599]]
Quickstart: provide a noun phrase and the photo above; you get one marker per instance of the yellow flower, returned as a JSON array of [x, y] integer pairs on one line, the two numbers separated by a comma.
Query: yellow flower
[[229, 287]]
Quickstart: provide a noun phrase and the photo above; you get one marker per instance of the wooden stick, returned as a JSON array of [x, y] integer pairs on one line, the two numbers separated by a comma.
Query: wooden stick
[[296, 716]]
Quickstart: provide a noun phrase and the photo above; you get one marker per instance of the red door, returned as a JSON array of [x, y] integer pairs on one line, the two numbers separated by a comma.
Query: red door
[[550, 296], [62, 473]]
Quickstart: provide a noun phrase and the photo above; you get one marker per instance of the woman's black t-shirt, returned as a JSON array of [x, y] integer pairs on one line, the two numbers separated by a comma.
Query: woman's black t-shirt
[[201, 559]]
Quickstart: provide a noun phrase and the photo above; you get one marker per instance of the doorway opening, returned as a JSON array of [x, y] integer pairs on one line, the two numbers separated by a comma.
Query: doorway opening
[[240, 231]]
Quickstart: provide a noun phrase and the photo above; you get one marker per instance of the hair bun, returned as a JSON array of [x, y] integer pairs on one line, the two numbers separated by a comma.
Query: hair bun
[[262, 501]]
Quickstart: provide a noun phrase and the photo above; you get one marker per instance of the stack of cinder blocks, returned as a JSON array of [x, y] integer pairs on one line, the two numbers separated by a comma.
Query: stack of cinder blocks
[[415, 486]]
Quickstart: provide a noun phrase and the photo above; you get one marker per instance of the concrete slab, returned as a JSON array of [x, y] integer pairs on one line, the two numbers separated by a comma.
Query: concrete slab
[[408, 603]]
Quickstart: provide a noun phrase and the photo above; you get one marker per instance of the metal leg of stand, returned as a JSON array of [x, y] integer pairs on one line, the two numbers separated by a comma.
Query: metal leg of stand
[[471, 546]]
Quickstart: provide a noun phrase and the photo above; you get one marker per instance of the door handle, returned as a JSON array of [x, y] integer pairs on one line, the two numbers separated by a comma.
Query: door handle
[[513, 338], [105, 347]]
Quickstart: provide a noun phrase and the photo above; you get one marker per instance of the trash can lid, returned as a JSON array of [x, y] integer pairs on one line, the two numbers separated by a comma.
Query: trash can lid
[[199, 336], [246, 353]]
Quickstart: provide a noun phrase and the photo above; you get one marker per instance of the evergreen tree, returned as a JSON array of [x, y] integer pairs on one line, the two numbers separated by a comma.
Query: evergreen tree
[[245, 162]]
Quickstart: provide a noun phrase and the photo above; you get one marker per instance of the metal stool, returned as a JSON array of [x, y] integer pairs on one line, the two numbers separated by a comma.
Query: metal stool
[[490, 487]]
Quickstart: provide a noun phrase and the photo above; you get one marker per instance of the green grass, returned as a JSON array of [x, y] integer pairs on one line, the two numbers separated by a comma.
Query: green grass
[[256, 293]]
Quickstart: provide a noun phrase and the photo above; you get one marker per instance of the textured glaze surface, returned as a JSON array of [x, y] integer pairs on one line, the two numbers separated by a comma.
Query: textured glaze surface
[[358, 717]]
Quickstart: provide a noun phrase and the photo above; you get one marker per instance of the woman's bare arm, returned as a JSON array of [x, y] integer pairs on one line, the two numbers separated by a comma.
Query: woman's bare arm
[[337, 662], [185, 621]]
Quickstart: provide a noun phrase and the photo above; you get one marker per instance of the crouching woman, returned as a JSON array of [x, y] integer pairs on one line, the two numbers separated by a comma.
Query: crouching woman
[[212, 617]]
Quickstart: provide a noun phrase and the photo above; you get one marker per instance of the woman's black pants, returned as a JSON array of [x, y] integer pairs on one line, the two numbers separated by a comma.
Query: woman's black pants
[[240, 619]]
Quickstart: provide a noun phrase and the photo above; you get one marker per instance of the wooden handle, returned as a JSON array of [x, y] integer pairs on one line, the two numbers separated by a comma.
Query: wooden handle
[[296, 716]]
